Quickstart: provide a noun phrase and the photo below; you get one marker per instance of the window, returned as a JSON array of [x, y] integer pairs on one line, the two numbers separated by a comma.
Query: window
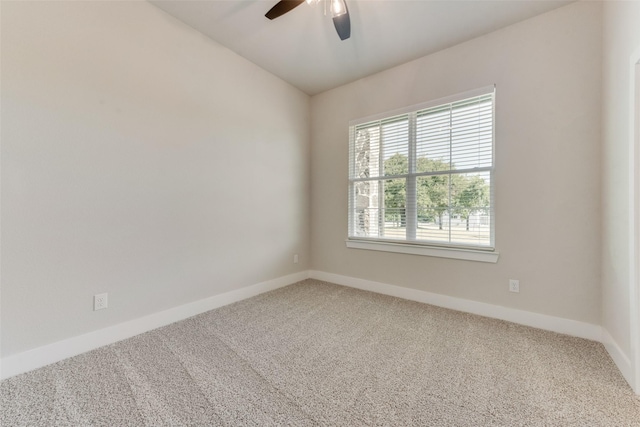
[[423, 176]]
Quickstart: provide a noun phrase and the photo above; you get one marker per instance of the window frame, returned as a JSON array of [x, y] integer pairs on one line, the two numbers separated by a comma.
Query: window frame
[[412, 245]]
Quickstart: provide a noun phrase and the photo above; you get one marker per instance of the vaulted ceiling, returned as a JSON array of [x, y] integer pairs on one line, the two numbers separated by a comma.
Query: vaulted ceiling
[[302, 47]]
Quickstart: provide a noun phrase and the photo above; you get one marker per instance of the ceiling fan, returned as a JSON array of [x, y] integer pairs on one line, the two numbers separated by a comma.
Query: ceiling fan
[[338, 9]]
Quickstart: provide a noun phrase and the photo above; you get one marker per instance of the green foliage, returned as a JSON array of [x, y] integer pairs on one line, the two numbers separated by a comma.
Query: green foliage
[[473, 196], [395, 190], [435, 193]]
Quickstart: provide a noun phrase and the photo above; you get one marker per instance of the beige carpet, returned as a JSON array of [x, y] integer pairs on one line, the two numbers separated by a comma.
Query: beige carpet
[[315, 353]]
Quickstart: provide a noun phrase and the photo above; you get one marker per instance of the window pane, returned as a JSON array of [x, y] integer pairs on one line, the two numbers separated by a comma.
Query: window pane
[[395, 209], [455, 209], [433, 208], [471, 134], [380, 208], [367, 210], [470, 211], [459, 136], [395, 146], [432, 140], [366, 154]]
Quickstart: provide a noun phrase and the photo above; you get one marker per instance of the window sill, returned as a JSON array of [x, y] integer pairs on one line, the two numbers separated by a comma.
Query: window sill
[[455, 253]]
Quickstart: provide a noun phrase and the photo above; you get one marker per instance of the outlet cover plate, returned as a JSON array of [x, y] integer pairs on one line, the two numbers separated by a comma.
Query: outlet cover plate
[[100, 301]]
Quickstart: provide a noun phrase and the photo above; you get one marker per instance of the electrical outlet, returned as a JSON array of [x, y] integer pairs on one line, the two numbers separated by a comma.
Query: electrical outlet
[[514, 285], [99, 301], [295, 258]]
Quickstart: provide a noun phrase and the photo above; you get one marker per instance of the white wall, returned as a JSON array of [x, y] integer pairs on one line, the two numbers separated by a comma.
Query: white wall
[[141, 159], [621, 39], [547, 180]]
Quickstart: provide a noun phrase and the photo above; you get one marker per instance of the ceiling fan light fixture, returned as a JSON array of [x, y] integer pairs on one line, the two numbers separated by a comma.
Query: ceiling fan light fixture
[[338, 8]]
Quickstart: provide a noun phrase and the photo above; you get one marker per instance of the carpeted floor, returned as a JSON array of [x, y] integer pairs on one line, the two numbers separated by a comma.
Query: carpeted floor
[[315, 353]]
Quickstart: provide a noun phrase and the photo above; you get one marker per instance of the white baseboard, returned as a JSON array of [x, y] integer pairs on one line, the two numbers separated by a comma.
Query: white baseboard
[[536, 320], [51, 353], [621, 360]]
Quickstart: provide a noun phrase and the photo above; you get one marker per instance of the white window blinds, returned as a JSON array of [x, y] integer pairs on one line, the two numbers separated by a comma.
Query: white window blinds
[[425, 176]]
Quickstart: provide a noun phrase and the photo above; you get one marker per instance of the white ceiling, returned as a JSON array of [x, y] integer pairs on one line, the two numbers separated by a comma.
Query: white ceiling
[[302, 47]]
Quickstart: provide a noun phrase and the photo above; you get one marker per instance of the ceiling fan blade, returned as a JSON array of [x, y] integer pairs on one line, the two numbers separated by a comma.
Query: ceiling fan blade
[[282, 7], [343, 24]]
